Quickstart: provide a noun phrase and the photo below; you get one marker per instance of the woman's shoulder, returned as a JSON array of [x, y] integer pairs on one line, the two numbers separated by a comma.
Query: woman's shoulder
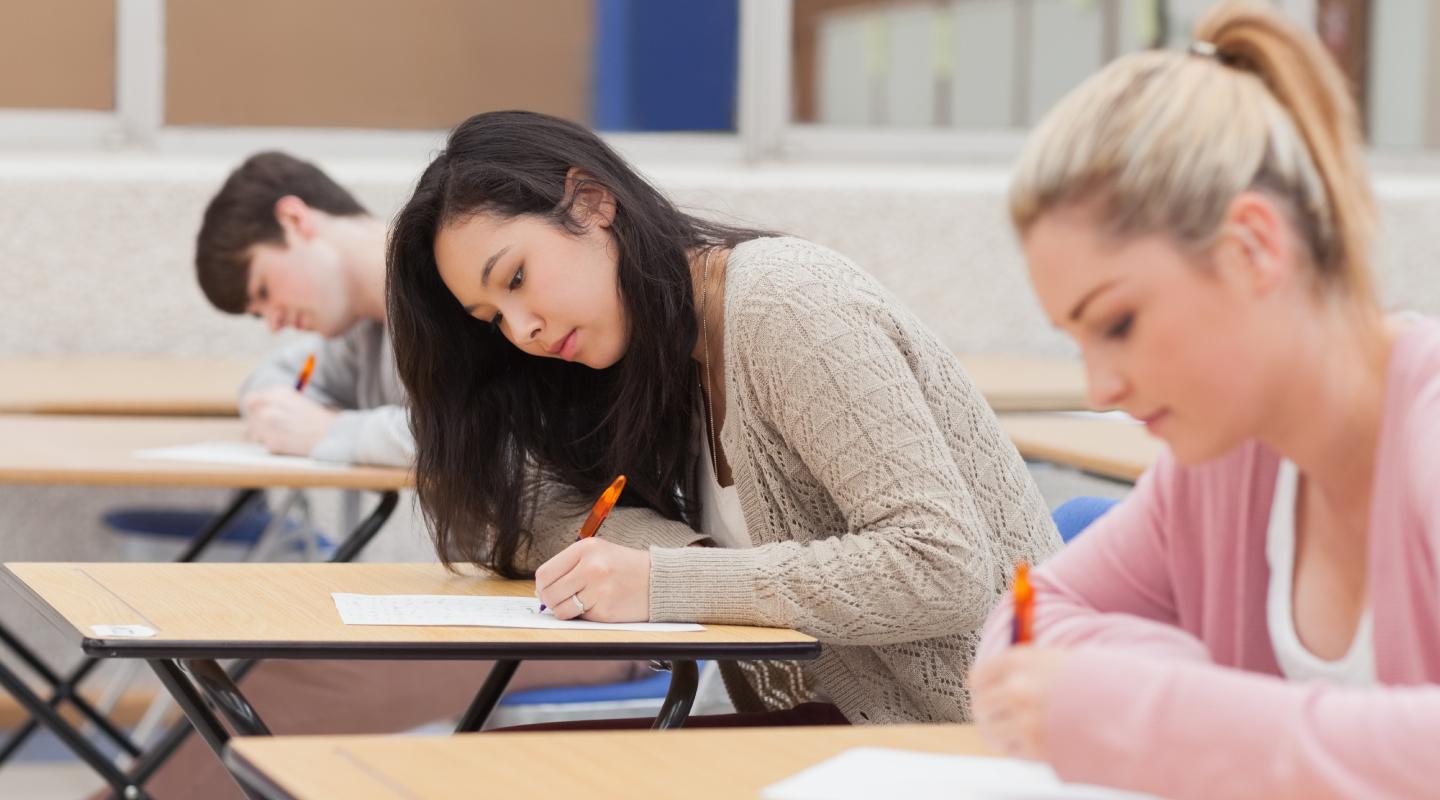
[[779, 267], [810, 284], [1412, 403]]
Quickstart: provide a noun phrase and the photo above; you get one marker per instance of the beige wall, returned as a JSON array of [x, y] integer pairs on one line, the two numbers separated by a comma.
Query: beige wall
[[57, 54], [373, 63]]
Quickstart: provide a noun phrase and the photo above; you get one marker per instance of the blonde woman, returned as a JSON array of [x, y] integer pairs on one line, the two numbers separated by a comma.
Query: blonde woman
[[1261, 617]]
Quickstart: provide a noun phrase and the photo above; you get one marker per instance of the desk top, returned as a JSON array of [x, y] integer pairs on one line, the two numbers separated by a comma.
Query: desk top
[[1113, 448], [99, 451], [122, 385], [1023, 383], [134, 385], [605, 765], [285, 611]]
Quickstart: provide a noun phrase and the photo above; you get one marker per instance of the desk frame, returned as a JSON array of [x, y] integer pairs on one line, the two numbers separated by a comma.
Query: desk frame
[[187, 662], [44, 711]]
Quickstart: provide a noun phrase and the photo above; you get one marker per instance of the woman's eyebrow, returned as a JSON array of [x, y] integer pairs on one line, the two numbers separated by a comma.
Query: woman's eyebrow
[[485, 274]]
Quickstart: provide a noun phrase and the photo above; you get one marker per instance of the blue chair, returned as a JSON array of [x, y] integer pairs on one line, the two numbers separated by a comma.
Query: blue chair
[[1076, 514], [157, 534], [637, 698]]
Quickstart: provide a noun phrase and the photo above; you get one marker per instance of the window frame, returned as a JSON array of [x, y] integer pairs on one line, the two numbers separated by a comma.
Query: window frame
[[765, 131]]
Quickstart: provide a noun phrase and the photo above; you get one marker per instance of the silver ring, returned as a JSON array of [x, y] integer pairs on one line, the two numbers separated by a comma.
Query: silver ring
[[578, 604]]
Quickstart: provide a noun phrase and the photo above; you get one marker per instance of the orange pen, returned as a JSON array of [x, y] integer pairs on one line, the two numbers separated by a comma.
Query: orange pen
[[599, 511], [1022, 627], [602, 507], [305, 373]]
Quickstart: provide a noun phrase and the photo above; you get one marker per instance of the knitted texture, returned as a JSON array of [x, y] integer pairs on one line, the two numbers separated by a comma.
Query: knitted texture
[[885, 504]]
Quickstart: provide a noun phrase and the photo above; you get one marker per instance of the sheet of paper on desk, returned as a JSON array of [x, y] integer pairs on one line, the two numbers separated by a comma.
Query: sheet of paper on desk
[[241, 453], [867, 772], [472, 610]]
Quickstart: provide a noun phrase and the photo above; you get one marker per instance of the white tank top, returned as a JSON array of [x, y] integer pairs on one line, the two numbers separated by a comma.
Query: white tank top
[[720, 516], [1357, 666]]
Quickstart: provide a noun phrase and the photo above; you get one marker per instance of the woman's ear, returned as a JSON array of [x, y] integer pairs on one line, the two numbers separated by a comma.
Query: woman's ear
[[590, 202], [1256, 243]]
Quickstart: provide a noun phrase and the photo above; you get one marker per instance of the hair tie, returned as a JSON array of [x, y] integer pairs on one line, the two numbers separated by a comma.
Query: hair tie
[[1204, 49]]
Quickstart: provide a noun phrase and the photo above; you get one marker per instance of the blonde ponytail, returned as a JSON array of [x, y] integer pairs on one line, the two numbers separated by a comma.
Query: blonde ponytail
[[1164, 141]]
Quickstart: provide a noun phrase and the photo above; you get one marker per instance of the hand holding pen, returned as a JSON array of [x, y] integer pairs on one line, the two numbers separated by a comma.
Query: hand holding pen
[[591, 527]]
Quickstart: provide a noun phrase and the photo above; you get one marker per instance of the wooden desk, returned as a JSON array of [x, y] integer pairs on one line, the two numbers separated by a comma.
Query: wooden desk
[[55, 450], [618, 765], [1022, 383], [99, 451], [285, 611], [122, 385], [204, 612], [1114, 449]]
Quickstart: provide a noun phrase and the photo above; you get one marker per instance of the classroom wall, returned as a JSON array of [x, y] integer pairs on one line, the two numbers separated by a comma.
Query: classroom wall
[[57, 55], [364, 72]]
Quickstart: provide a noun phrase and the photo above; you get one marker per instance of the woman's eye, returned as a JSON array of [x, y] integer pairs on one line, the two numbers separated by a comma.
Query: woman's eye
[[517, 279], [1121, 328]]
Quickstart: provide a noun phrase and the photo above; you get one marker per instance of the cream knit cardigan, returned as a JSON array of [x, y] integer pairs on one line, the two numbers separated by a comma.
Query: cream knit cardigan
[[885, 504]]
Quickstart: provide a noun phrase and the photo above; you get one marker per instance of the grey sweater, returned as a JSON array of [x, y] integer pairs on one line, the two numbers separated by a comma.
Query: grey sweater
[[355, 373], [886, 505]]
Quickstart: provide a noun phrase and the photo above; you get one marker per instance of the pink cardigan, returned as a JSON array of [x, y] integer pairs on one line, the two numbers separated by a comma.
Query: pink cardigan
[[1174, 689]]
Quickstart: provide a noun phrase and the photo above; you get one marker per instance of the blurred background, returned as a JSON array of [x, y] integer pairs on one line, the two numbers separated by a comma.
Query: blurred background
[[157, 75], [882, 128]]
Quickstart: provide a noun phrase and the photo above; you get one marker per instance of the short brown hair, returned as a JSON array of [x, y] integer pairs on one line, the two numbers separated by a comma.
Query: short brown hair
[[242, 214]]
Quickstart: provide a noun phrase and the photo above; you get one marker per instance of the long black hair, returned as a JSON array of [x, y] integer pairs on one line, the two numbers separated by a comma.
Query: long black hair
[[489, 420]]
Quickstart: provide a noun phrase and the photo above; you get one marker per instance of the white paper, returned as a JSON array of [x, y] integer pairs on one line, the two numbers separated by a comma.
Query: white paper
[[474, 610], [869, 772], [241, 453]]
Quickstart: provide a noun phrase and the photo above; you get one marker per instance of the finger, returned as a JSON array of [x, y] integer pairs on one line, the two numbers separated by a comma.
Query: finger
[[557, 596], [558, 565], [990, 672]]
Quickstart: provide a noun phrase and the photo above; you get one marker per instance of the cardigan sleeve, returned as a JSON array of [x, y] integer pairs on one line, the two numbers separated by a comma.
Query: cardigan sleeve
[[1112, 584], [557, 511], [916, 558]]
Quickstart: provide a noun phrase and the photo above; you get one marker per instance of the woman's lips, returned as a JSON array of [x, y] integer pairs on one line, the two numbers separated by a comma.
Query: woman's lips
[[1152, 421], [565, 348]]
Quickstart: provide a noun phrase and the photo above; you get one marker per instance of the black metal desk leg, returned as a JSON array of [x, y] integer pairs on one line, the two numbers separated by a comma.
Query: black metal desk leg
[[684, 681], [490, 693], [68, 688], [156, 756], [202, 540], [226, 696], [367, 528], [193, 704], [40, 710]]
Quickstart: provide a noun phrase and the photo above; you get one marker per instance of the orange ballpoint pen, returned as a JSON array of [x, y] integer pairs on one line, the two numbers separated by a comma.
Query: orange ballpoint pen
[[305, 373], [599, 511], [1022, 627]]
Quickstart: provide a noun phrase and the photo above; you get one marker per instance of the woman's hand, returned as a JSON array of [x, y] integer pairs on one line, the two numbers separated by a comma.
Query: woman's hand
[[1009, 695], [611, 582]]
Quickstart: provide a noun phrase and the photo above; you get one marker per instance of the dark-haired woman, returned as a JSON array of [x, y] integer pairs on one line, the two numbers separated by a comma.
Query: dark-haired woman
[[558, 321]]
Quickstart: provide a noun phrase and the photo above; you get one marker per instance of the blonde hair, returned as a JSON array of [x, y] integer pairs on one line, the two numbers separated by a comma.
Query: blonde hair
[[1164, 141]]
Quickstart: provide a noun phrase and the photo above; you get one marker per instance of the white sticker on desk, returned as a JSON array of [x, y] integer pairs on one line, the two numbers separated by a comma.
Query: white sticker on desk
[[123, 631]]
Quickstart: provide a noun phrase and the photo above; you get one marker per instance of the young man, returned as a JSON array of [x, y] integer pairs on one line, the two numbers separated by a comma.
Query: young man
[[284, 242]]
